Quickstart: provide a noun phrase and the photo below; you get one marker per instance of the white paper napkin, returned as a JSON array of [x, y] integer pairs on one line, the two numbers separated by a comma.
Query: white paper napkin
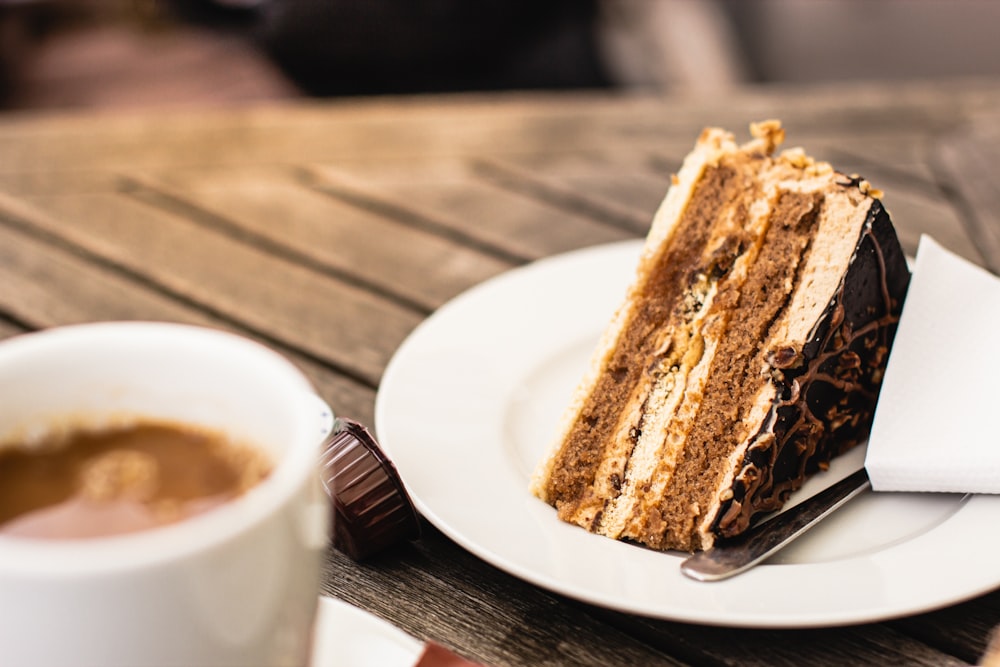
[[937, 424]]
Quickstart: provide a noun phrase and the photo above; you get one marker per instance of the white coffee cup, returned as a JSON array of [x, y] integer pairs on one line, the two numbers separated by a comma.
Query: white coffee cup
[[237, 585]]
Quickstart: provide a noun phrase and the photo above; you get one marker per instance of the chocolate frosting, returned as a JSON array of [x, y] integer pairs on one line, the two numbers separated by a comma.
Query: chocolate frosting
[[826, 392]]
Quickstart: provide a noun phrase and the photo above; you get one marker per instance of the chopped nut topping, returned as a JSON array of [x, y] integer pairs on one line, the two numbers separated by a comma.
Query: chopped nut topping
[[770, 132]]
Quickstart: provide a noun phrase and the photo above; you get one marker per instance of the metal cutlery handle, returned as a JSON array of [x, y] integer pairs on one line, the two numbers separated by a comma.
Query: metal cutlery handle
[[730, 558]]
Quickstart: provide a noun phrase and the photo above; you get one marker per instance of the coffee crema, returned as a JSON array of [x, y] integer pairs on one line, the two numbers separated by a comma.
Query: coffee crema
[[93, 483]]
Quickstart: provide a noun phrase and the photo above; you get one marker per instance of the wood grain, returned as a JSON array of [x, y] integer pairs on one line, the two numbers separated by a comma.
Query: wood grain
[[330, 230], [44, 283], [509, 224], [230, 279], [273, 208], [967, 162]]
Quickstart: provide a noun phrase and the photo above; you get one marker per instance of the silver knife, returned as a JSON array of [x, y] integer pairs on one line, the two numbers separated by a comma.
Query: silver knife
[[732, 557]]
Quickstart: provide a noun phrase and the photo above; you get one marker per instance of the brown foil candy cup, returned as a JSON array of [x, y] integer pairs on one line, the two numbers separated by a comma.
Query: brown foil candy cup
[[371, 508]]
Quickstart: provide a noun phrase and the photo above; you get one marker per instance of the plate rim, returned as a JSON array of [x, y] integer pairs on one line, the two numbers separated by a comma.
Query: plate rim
[[976, 508]]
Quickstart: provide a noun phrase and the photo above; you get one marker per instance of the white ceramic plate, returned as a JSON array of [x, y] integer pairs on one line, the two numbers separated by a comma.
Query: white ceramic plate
[[347, 636], [471, 399]]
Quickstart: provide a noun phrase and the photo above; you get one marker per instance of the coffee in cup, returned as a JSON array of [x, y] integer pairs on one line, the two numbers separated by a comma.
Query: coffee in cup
[[136, 475], [231, 577]]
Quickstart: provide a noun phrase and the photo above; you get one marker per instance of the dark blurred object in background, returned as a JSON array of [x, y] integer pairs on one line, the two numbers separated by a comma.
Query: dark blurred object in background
[[131, 53], [337, 47], [128, 52], [79, 53]]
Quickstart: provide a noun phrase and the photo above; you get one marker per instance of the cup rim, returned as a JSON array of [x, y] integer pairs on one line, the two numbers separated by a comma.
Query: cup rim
[[68, 557]]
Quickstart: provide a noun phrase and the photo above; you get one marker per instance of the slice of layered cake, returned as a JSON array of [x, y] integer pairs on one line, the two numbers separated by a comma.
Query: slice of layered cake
[[748, 352]]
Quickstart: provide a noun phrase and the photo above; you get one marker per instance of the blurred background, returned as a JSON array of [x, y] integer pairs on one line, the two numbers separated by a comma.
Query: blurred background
[[184, 53]]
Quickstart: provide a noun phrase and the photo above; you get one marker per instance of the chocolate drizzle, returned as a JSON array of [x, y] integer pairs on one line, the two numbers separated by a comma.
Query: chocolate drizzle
[[825, 392]]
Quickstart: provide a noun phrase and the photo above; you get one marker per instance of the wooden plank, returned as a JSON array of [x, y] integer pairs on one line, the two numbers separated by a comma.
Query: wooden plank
[[54, 180], [469, 125], [347, 129], [468, 209], [860, 109], [42, 286], [440, 591], [303, 132], [963, 630], [887, 162], [269, 208], [870, 644], [917, 205], [967, 164], [479, 622], [620, 192], [915, 213], [343, 325]]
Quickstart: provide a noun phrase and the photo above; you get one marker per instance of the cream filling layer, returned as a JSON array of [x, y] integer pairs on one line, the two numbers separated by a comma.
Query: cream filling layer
[[839, 227], [674, 402], [661, 424], [711, 146]]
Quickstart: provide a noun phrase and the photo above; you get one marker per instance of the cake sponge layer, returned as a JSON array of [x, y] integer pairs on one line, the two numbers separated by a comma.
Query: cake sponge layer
[[732, 369]]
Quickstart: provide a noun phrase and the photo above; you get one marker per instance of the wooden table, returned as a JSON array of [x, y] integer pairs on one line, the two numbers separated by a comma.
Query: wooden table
[[330, 230]]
